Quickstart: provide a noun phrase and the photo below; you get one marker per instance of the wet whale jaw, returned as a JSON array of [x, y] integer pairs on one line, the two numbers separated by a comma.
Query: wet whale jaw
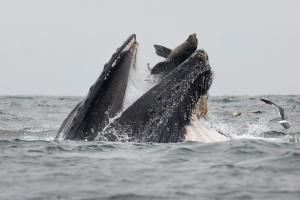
[[91, 115], [162, 114]]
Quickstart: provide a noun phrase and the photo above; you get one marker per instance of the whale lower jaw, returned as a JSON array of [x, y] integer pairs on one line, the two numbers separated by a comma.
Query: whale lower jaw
[[105, 97]]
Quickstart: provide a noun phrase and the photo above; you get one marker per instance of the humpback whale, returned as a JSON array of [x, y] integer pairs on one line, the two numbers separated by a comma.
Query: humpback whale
[[105, 98], [163, 113], [174, 57]]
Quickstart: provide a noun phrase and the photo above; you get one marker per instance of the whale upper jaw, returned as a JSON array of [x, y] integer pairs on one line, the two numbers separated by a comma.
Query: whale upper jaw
[[164, 112], [105, 97]]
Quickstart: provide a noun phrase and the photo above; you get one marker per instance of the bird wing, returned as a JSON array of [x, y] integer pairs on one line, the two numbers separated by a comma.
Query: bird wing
[[280, 109]]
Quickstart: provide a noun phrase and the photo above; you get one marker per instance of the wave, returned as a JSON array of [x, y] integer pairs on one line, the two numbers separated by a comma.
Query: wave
[[18, 97], [27, 134]]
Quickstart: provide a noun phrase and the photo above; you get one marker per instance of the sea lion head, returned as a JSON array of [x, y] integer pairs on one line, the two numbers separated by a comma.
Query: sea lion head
[[192, 39]]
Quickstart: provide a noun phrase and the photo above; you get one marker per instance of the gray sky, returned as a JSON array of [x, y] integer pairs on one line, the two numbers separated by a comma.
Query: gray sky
[[59, 47]]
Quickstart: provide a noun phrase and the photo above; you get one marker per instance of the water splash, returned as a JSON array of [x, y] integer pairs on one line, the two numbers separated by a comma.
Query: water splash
[[201, 130]]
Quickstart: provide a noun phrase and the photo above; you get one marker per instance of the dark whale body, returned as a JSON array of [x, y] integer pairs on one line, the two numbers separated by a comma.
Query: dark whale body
[[162, 114], [105, 98]]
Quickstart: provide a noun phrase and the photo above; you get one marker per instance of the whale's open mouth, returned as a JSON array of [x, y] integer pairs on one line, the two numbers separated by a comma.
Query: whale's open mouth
[[162, 114]]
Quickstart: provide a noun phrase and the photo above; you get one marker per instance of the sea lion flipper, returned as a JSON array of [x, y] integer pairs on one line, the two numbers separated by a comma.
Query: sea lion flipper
[[161, 67], [162, 51]]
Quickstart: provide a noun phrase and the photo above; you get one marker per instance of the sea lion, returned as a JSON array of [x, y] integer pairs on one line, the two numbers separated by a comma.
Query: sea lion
[[174, 57]]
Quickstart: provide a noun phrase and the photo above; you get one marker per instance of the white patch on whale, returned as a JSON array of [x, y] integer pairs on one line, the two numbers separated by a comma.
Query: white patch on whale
[[137, 84], [200, 131]]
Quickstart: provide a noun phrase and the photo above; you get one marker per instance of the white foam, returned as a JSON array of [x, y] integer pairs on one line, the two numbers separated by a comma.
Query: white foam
[[283, 122], [200, 131], [34, 138], [251, 137]]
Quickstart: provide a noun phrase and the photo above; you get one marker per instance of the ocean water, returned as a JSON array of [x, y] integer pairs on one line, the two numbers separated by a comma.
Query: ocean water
[[260, 161]]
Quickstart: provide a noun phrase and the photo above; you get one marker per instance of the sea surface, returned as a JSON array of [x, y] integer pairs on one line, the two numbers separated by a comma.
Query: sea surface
[[260, 161]]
